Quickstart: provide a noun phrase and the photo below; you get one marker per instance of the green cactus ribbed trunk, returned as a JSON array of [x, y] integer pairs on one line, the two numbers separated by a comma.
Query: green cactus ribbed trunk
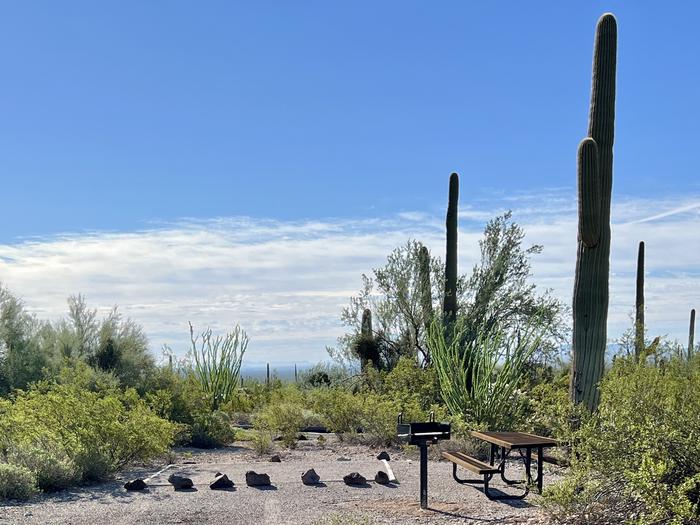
[[366, 337], [691, 335], [639, 304], [426, 293], [449, 306], [595, 163]]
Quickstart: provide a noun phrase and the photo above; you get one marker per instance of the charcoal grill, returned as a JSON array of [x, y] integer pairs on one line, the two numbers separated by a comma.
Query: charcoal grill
[[422, 434]]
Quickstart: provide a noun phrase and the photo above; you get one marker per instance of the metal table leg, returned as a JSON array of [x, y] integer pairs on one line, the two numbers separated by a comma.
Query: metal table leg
[[540, 461]]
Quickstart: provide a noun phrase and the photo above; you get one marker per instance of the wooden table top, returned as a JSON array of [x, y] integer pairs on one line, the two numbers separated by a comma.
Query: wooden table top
[[514, 439]]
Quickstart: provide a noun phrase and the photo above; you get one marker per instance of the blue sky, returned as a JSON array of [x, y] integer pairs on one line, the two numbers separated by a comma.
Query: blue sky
[[120, 118]]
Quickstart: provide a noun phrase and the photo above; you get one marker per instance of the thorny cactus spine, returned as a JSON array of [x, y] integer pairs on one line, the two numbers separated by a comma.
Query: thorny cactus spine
[[639, 304], [590, 303], [450, 301]]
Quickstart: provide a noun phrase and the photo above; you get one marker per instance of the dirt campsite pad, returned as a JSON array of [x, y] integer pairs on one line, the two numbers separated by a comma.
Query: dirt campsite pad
[[286, 501]]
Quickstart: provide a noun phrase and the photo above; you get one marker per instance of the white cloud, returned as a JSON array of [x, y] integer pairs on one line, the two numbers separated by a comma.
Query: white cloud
[[285, 282]]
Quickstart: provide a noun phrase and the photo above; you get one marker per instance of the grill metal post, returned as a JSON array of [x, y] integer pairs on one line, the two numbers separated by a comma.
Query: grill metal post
[[422, 434], [423, 447]]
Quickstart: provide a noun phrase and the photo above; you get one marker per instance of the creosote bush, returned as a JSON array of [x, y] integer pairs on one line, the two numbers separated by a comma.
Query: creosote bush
[[637, 459], [16, 482], [64, 433]]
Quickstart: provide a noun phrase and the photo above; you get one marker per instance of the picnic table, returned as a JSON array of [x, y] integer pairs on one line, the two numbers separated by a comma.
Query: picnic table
[[530, 447]]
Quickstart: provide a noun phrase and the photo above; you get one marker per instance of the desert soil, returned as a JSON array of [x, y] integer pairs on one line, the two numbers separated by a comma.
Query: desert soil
[[287, 501]]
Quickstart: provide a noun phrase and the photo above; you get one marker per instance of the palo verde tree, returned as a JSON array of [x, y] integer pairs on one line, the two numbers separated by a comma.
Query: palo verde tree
[[497, 292]]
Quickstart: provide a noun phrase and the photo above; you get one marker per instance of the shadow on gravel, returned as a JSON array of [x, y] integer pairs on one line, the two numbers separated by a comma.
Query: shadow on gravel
[[458, 515], [265, 487], [515, 503]]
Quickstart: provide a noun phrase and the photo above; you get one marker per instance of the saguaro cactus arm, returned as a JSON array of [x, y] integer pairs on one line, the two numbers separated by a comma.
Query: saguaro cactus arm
[[589, 190]]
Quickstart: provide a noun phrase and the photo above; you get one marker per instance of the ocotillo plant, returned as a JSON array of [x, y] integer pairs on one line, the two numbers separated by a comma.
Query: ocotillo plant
[[595, 160], [639, 304], [691, 334], [449, 307]]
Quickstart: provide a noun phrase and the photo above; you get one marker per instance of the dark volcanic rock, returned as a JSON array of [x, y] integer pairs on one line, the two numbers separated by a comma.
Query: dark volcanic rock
[[310, 477], [180, 482], [384, 455], [302, 437], [221, 482], [354, 478], [382, 478], [253, 479], [137, 484], [276, 459]]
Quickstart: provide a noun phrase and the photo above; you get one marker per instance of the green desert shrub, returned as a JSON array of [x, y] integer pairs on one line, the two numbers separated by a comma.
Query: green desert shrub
[[16, 482], [639, 454], [339, 410], [50, 465], [261, 441], [283, 417], [99, 433], [212, 430]]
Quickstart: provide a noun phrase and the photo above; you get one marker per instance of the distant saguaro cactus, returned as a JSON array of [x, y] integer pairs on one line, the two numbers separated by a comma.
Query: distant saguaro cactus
[[449, 307], [366, 329], [595, 163], [639, 304], [366, 346], [691, 334]]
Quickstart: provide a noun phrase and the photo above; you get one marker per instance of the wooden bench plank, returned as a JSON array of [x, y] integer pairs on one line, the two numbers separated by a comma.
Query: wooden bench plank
[[470, 463]]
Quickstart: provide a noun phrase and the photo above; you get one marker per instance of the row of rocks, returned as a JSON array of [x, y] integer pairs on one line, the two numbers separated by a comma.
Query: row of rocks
[[253, 479]]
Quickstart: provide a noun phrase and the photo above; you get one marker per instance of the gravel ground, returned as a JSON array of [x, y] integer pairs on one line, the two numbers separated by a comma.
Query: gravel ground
[[288, 501]]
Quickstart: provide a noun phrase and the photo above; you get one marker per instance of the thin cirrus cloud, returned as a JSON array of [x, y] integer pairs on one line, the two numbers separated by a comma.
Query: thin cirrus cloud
[[285, 282]]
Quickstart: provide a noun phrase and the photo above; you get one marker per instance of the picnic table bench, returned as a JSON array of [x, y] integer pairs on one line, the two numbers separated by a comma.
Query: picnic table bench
[[530, 446]]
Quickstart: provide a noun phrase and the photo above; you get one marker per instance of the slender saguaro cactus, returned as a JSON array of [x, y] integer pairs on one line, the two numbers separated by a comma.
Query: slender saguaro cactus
[[426, 294], [639, 304], [365, 336], [595, 160], [691, 334], [449, 307]]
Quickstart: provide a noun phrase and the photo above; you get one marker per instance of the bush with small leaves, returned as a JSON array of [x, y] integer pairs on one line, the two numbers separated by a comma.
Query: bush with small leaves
[[212, 430], [285, 418], [49, 463], [16, 482], [639, 452], [99, 433]]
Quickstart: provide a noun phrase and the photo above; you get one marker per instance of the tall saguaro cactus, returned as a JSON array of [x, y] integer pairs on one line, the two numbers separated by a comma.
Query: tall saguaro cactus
[[449, 307], [595, 162], [691, 334], [639, 304]]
